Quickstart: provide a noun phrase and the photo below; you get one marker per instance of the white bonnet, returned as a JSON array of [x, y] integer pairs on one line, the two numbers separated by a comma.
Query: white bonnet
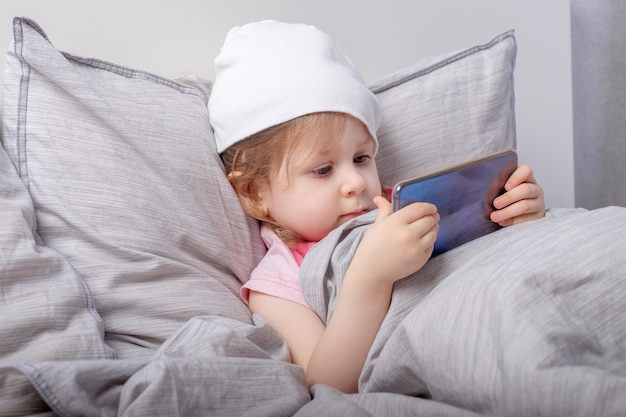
[[270, 72]]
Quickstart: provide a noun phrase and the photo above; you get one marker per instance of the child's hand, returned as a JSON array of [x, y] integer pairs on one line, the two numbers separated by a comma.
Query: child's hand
[[397, 244], [522, 201]]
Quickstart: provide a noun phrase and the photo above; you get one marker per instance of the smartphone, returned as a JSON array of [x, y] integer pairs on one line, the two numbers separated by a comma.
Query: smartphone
[[463, 194]]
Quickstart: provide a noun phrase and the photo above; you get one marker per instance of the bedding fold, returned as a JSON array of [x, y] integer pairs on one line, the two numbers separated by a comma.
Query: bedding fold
[[212, 366]]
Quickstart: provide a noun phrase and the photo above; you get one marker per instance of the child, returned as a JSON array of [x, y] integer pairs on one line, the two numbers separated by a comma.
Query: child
[[296, 127]]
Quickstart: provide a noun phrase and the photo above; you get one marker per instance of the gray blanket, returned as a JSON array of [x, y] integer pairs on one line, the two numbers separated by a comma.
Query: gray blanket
[[528, 321]]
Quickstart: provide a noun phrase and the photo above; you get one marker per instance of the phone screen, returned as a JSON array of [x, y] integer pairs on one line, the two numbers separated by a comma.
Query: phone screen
[[463, 195]]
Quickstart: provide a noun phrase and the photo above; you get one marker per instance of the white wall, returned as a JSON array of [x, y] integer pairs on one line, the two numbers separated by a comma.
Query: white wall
[[174, 38]]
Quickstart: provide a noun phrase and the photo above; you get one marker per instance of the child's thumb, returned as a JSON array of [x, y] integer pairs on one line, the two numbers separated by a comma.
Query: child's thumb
[[385, 209]]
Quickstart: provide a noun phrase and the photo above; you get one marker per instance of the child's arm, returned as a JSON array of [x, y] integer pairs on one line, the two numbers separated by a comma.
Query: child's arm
[[522, 201], [395, 246]]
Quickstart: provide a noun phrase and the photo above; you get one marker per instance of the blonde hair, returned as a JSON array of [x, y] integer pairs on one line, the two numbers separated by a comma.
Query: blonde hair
[[252, 163]]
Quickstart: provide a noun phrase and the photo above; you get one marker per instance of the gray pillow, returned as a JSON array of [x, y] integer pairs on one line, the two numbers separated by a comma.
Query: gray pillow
[[447, 109], [127, 185]]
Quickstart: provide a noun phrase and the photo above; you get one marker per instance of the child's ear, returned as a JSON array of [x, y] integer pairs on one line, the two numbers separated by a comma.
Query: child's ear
[[259, 195], [251, 199]]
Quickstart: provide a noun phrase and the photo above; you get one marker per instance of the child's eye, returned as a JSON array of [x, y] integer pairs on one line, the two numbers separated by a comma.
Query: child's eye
[[323, 171], [361, 159]]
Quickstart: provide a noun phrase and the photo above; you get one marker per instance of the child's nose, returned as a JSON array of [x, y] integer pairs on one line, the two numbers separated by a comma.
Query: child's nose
[[353, 183]]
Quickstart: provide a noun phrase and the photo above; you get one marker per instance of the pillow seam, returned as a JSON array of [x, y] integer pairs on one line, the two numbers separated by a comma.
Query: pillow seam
[[128, 72], [22, 103], [456, 57]]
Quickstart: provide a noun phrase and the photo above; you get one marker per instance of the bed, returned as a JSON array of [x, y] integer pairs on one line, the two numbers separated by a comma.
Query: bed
[[123, 248]]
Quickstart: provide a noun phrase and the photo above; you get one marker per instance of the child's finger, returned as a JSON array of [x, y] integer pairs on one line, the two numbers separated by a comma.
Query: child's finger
[[416, 211], [522, 174], [525, 191]]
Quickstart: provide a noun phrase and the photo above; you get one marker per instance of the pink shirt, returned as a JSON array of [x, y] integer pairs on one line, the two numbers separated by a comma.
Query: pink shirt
[[277, 273]]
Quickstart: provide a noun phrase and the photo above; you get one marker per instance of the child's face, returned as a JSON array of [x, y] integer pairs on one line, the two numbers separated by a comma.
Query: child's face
[[328, 185]]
